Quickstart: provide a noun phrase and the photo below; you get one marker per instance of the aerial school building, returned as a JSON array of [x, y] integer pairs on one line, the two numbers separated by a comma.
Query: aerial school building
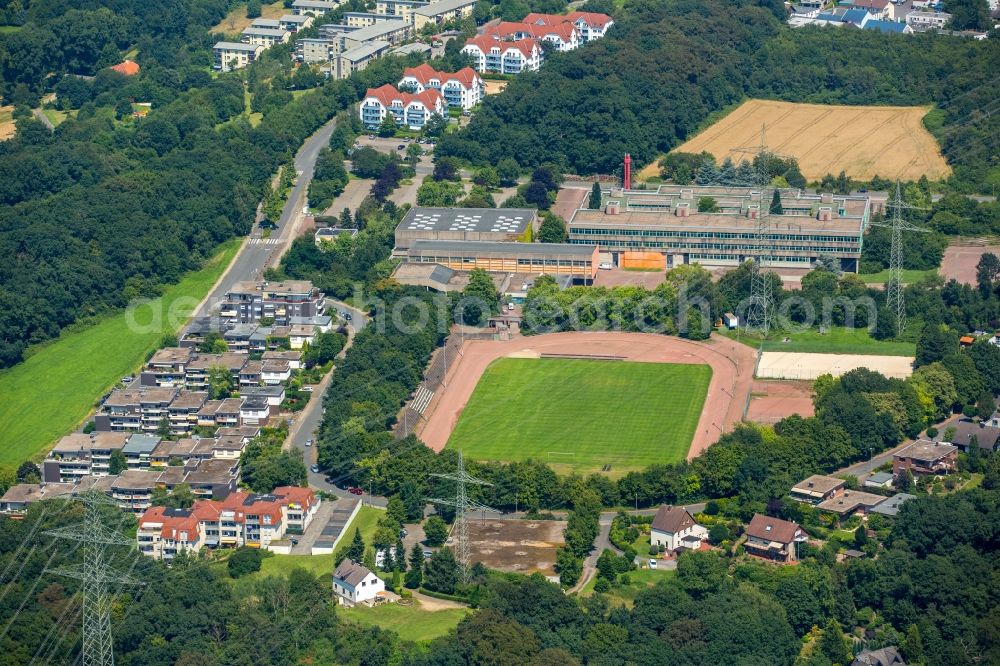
[[635, 225]]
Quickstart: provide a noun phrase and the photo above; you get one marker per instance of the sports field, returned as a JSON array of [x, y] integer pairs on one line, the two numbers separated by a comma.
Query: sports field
[[48, 394], [864, 141], [583, 415]]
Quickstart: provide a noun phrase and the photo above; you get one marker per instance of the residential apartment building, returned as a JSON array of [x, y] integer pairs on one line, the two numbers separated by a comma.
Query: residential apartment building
[[402, 9], [443, 11], [365, 19], [313, 7], [562, 36], [166, 368], [234, 55], [295, 22], [241, 519], [134, 410], [357, 58], [493, 55], [922, 20], [591, 25], [78, 455], [463, 89], [197, 371], [278, 301], [409, 110], [182, 411], [314, 49], [774, 539], [266, 37], [925, 457]]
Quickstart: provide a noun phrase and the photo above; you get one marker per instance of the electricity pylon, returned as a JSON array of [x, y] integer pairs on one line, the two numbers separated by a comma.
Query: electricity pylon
[[463, 505], [760, 308], [97, 575], [894, 287]]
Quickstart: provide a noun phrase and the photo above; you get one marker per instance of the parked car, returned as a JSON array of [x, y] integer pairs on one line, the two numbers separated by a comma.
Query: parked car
[[402, 532], [309, 442], [510, 307], [401, 146], [652, 563], [295, 542], [306, 389], [356, 491], [604, 266], [427, 554], [315, 469]]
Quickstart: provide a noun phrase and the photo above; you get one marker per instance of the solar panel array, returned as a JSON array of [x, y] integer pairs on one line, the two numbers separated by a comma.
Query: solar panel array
[[431, 221]]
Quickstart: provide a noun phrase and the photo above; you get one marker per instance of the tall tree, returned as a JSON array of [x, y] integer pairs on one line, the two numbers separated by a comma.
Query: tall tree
[[776, 208], [595, 197], [356, 551]]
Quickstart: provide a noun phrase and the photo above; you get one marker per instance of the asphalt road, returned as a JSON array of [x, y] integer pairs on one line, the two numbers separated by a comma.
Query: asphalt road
[[258, 253]]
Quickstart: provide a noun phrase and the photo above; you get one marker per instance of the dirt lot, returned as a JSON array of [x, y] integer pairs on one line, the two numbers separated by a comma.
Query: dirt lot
[[494, 87], [772, 401], [806, 366], [732, 374], [7, 127], [619, 277], [521, 546], [960, 261], [236, 20], [864, 141]]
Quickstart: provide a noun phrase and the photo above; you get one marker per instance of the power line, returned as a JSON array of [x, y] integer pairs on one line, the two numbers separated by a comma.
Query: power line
[[894, 287], [463, 505], [96, 573]]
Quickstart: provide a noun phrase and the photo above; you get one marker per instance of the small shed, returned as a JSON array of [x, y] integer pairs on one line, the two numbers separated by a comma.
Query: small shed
[[730, 320]]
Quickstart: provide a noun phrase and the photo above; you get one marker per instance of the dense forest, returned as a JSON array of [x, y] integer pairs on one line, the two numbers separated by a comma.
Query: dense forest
[[666, 66]]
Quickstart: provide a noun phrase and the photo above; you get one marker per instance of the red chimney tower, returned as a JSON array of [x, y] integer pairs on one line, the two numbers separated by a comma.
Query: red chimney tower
[[627, 180]]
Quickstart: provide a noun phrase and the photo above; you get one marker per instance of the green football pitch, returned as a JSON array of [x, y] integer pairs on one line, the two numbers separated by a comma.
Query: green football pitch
[[583, 415]]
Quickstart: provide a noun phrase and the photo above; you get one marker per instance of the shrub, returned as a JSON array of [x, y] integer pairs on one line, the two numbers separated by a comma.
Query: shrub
[[244, 561], [602, 585]]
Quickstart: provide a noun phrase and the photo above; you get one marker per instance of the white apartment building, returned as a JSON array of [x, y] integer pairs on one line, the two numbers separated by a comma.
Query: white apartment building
[[563, 36], [235, 55], [410, 110], [463, 89], [313, 7], [493, 55], [266, 37], [591, 25], [927, 20]]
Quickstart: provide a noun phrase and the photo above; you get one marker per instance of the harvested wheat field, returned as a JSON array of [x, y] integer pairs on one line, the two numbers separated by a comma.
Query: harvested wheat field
[[864, 141], [491, 87]]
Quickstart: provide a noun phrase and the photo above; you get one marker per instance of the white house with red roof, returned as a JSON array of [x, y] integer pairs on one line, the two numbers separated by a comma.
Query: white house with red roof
[[490, 54], [592, 25], [462, 89], [563, 36], [411, 110]]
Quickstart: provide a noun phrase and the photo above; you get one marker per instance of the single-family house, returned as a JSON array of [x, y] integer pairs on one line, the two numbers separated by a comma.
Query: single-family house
[[674, 527], [774, 539], [886, 656], [925, 457], [354, 583], [966, 433], [817, 489]]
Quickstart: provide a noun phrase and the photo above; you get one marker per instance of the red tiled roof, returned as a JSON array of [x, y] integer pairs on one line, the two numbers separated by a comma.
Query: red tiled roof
[[424, 73], [387, 94], [671, 519], [506, 29], [593, 19], [127, 67], [525, 46], [303, 496], [171, 526], [772, 529]]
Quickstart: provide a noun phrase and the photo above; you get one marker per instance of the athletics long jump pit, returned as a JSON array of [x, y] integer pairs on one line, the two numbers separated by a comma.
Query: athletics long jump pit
[[798, 365], [609, 385]]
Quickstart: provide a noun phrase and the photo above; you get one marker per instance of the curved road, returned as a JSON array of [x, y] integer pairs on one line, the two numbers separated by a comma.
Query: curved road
[[258, 253]]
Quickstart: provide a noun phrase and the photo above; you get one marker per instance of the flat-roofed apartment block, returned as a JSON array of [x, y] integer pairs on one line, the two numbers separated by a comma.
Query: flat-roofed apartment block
[[166, 368], [314, 49], [402, 9], [466, 224], [196, 373], [234, 55], [365, 19], [295, 22], [438, 13], [313, 7], [667, 221], [79, 455], [184, 450], [183, 411], [266, 37], [392, 31], [251, 301], [251, 374], [578, 261], [356, 58], [134, 410]]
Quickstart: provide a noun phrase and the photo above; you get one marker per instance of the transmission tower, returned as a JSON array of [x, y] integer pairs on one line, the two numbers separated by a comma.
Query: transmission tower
[[894, 287], [463, 505], [97, 575], [760, 307]]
